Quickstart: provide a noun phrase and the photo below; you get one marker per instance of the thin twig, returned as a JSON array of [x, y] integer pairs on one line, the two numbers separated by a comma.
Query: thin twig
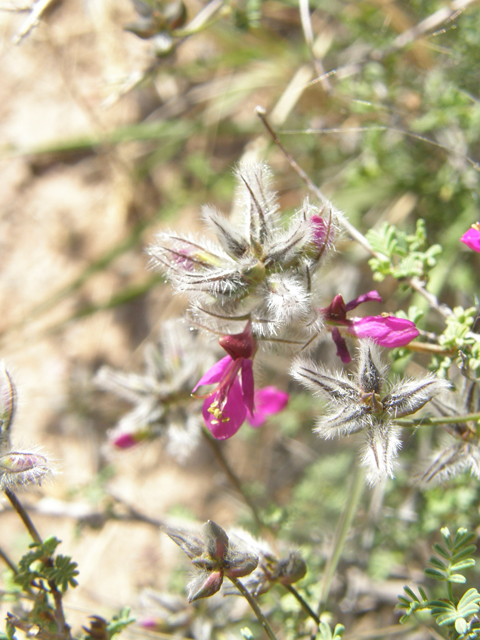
[[350, 229], [38, 8], [11, 565], [418, 286], [431, 22], [256, 609]]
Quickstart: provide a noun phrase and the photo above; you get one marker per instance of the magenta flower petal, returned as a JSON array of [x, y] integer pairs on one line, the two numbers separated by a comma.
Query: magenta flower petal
[[248, 385], [268, 401], [123, 441], [319, 231], [342, 350], [387, 331], [224, 422], [472, 239], [215, 373], [371, 296]]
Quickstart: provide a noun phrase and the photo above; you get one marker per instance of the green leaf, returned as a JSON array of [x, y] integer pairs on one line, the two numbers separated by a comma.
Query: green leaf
[[433, 573], [461, 626], [441, 551], [463, 564], [457, 578], [438, 564], [119, 621]]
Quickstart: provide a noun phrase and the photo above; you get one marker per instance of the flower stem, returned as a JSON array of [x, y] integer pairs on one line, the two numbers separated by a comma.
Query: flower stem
[[25, 518], [354, 494], [256, 609], [425, 422], [303, 603], [235, 481]]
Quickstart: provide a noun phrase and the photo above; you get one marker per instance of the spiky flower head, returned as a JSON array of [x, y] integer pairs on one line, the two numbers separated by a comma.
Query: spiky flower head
[[367, 402], [214, 557], [161, 395], [257, 268]]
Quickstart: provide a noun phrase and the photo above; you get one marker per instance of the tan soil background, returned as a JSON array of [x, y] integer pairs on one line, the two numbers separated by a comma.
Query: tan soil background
[[60, 212]]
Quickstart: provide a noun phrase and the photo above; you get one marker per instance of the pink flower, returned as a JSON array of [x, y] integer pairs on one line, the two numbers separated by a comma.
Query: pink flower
[[472, 237], [124, 440], [233, 399], [268, 401], [225, 408], [385, 330]]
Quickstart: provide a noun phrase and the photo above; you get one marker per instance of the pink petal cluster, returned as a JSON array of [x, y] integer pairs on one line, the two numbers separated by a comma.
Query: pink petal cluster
[[472, 237], [234, 399], [385, 330]]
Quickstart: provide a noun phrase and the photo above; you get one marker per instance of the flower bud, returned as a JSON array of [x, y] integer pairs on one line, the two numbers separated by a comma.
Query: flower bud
[[205, 585], [239, 345], [19, 469], [216, 541], [291, 569]]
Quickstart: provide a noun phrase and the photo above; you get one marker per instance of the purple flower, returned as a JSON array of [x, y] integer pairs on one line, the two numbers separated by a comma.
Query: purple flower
[[234, 398], [472, 237], [225, 408], [385, 330], [124, 439], [268, 401]]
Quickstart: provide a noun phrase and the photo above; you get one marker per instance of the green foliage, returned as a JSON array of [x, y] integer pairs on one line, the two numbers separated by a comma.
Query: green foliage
[[326, 632], [461, 339], [39, 564], [120, 621], [401, 255], [457, 614]]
